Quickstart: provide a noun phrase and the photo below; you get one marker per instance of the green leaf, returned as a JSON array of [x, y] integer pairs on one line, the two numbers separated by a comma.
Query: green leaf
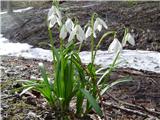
[[92, 101], [80, 98], [91, 69], [115, 83], [44, 75], [25, 90]]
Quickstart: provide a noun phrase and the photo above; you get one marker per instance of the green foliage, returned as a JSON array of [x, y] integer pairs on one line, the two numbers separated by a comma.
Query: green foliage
[[73, 79]]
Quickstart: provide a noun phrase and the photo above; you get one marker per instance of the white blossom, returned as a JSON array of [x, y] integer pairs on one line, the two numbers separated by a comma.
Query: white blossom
[[54, 16], [51, 13], [52, 22], [89, 32], [69, 25], [128, 38], [63, 32], [77, 32], [80, 33], [98, 24], [72, 34], [115, 46]]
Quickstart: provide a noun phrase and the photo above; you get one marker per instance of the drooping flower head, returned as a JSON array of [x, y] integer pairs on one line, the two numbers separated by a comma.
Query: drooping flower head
[[54, 16], [115, 46], [66, 28], [128, 38], [69, 25], [98, 24], [77, 32]]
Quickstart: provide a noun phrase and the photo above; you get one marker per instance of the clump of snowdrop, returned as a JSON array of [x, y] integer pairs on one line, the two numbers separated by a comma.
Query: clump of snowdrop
[[71, 77]]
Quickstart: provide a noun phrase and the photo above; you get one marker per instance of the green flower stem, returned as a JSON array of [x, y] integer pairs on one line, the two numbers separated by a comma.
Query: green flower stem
[[80, 46], [93, 77], [52, 46], [92, 38]]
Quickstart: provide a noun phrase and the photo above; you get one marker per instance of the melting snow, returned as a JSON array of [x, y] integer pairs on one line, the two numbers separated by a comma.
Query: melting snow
[[138, 59], [18, 10]]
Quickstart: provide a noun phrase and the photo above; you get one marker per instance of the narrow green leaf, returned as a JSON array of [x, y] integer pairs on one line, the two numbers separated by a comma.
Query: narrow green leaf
[[113, 84], [92, 101]]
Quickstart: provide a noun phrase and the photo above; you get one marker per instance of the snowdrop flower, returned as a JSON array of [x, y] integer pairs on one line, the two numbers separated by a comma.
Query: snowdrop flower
[[98, 24], [115, 46], [89, 32], [66, 28], [78, 32], [69, 25], [54, 16], [63, 32], [128, 38]]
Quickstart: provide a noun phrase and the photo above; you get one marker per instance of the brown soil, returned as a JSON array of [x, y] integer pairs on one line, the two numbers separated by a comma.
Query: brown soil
[[142, 91]]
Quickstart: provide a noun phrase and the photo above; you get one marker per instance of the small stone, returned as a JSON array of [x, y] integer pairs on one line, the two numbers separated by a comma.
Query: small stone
[[31, 114]]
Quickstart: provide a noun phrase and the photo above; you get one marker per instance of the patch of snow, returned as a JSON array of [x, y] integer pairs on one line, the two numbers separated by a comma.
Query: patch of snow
[[18, 10], [138, 59], [23, 10]]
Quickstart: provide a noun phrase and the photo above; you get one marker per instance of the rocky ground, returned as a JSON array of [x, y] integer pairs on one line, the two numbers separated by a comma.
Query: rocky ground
[[143, 93], [142, 18]]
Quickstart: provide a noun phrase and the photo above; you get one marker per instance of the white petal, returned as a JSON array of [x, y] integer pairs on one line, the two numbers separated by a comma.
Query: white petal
[[52, 22], [99, 27], [58, 13], [51, 12], [131, 39], [88, 32], [72, 34], [69, 25], [115, 46], [59, 21], [94, 34], [80, 33], [96, 23], [63, 32], [102, 23], [51, 17], [79, 38]]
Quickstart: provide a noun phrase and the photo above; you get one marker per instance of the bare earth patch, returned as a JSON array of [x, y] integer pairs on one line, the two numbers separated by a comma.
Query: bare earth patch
[[138, 99]]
